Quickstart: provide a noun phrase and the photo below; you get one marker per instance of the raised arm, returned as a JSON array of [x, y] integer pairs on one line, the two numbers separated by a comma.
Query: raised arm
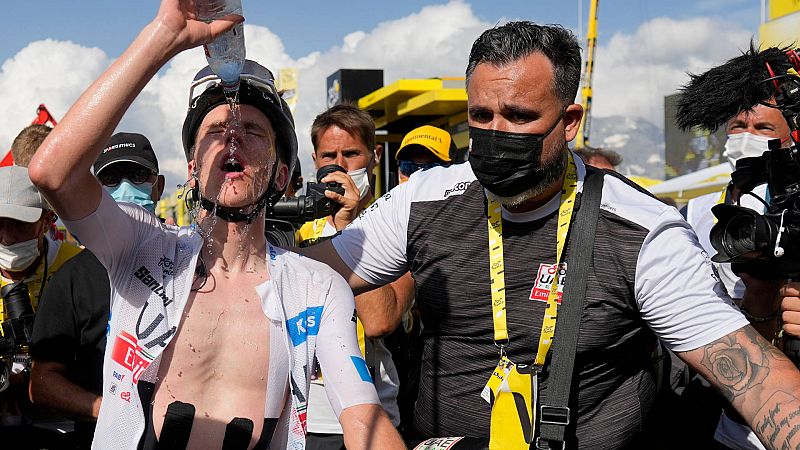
[[61, 166], [758, 380]]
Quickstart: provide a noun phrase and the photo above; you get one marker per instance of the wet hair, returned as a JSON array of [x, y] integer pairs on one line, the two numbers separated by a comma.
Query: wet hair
[[507, 43], [350, 119], [712, 98], [27, 141]]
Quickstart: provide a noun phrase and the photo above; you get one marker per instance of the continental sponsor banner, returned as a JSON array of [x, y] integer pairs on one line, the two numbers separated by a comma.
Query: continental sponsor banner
[[782, 31], [780, 8]]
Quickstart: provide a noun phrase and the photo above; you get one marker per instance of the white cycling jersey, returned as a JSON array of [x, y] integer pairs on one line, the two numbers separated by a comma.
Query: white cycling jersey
[[151, 268]]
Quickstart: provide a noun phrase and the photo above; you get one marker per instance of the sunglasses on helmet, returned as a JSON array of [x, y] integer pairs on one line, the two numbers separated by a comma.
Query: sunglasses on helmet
[[252, 73]]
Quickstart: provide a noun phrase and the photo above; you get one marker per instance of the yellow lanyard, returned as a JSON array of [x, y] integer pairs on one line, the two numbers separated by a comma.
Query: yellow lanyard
[[496, 266]]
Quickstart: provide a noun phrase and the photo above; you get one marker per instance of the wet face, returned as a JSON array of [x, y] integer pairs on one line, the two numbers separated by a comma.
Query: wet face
[[761, 120], [337, 146], [234, 159]]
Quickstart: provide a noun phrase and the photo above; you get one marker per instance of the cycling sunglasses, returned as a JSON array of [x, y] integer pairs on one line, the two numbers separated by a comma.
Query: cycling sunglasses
[[409, 167], [252, 73], [113, 175]]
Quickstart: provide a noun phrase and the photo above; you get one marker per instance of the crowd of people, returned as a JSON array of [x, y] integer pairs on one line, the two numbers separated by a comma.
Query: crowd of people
[[430, 317]]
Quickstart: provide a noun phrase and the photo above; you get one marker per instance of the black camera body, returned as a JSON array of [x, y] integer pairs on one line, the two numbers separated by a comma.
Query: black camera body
[[18, 324], [288, 214], [307, 207], [767, 245], [312, 205]]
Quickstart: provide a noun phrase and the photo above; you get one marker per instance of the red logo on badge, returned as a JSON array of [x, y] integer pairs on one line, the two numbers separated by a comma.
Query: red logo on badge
[[127, 353], [544, 281]]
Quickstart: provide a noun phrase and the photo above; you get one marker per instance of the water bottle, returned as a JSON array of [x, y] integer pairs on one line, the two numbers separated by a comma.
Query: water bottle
[[226, 53]]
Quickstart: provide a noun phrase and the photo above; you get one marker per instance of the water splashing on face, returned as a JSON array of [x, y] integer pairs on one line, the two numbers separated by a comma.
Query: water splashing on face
[[232, 96]]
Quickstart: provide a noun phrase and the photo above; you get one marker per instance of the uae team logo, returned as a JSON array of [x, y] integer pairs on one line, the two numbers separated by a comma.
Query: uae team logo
[[544, 281]]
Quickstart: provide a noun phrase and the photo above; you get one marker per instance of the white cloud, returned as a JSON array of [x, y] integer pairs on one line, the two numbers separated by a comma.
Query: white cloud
[[432, 42], [634, 72], [44, 72]]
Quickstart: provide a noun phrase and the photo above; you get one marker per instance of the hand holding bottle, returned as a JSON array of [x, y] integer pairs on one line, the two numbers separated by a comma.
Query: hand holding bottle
[[183, 30]]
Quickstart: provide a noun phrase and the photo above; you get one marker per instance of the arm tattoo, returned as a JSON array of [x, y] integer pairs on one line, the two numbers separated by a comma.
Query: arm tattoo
[[737, 362], [738, 365], [775, 419]]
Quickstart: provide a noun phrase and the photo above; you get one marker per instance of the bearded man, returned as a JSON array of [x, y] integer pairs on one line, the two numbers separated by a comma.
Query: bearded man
[[648, 279]]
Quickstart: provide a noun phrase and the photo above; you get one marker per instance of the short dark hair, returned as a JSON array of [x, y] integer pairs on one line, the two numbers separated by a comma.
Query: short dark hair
[[586, 153], [350, 119], [507, 43], [26, 143]]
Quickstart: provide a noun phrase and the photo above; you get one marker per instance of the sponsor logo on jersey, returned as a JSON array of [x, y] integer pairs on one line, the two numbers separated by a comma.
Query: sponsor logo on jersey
[[544, 281], [153, 322], [144, 275], [118, 376], [167, 266], [442, 443], [125, 395], [459, 187], [304, 324], [127, 353], [361, 368]]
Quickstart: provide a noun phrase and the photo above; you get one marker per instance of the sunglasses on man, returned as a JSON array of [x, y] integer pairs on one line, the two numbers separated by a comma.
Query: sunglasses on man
[[112, 176], [409, 167]]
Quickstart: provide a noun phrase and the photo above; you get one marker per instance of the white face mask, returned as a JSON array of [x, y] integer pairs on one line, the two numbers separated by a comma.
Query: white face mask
[[361, 179], [17, 257], [744, 145]]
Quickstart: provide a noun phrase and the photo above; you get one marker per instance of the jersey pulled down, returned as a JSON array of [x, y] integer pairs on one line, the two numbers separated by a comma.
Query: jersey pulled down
[[151, 268], [321, 418], [648, 278]]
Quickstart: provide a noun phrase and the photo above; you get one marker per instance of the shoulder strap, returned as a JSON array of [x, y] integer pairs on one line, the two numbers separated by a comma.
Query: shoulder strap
[[554, 410]]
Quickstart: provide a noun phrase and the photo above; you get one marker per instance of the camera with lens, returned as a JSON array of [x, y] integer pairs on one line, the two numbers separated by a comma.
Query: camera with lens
[[313, 204], [287, 214], [767, 245], [18, 324]]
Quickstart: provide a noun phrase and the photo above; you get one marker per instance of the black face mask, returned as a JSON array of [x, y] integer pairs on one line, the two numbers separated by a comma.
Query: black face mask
[[507, 164]]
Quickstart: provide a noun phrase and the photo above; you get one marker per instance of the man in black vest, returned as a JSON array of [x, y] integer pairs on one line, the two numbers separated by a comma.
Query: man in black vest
[[486, 244]]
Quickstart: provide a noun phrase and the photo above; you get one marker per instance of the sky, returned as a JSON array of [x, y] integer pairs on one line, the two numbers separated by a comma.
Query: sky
[[645, 48]]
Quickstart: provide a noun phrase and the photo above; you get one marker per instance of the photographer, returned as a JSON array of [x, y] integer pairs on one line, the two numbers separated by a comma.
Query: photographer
[[345, 136], [28, 258], [746, 97]]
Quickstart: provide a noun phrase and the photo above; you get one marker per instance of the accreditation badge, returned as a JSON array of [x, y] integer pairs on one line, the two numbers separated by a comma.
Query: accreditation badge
[[512, 391]]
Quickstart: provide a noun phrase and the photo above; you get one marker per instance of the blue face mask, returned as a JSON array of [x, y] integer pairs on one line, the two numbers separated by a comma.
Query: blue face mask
[[138, 194]]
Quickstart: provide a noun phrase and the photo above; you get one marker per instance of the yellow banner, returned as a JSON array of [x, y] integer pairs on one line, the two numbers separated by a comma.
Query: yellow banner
[[780, 8], [287, 82], [781, 32]]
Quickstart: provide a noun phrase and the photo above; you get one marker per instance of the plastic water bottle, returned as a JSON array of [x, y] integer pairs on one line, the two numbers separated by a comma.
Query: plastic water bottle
[[226, 53]]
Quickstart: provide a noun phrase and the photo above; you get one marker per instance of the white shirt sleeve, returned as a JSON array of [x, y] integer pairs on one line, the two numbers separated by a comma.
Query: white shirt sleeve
[[374, 245], [348, 381], [678, 294], [113, 231]]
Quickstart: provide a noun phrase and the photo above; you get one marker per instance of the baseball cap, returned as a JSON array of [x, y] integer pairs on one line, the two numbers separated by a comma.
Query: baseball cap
[[127, 147], [436, 140], [19, 198]]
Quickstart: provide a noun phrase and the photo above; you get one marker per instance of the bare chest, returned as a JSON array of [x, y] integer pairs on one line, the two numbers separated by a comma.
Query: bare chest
[[218, 361]]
